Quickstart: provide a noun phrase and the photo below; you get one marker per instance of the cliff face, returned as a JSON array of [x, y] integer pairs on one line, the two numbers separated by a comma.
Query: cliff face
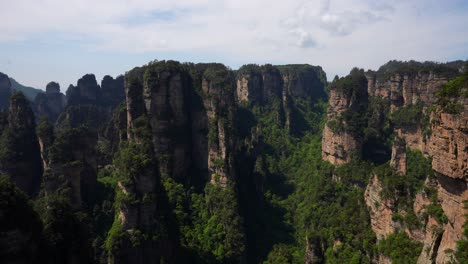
[[112, 90], [218, 102], [20, 157], [191, 118], [87, 91], [166, 100], [448, 144], [259, 84], [337, 146], [70, 154], [51, 103], [347, 103], [420, 120], [182, 118], [5, 91], [406, 88]]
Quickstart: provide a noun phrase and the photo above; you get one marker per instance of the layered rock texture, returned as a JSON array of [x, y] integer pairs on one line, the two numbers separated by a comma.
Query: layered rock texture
[[428, 113], [348, 96]]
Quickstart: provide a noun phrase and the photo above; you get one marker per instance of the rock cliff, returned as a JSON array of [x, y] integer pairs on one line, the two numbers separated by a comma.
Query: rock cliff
[[51, 103], [427, 115], [87, 91], [20, 154], [5, 91], [347, 105]]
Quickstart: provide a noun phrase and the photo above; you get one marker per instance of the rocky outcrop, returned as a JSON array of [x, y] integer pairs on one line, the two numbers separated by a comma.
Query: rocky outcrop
[[250, 84], [259, 84], [405, 88], [218, 101], [451, 194], [5, 91], [191, 122], [72, 158], [21, 159], [398, 160], [310, 256], [348, 97], [381, 210], [87, 91], [443, 139], [51, 103], [157, 118], [112, 90], [303, 80], [338, 147], [448, 144], [166, 96]]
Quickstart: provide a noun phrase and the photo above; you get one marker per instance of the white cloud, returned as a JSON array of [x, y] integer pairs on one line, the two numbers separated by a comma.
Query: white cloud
[[336, 34]]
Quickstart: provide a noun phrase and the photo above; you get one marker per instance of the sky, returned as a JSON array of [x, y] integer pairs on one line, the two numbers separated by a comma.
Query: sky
[[57, 40]]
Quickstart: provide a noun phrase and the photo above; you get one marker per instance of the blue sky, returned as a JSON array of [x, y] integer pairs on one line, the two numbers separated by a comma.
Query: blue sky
[[56, 40]]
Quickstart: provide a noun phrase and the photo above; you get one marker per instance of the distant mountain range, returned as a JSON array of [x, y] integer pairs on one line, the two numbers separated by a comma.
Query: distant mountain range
[[29, 92]]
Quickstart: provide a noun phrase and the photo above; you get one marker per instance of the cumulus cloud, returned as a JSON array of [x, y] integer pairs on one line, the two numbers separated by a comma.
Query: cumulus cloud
[[337, 34]]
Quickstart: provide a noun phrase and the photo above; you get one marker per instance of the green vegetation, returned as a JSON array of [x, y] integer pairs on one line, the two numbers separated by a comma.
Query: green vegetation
[[366, 119], [400, 248], [409, 116], [413, 67], [209, 222], [283, 200], [462, 245], [396, 186], [435, 209], [19, 148], [452, 91], [66, 142], [20, 226], [299, 199]]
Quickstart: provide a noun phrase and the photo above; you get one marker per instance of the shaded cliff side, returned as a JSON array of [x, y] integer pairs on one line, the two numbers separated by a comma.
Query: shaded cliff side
[[20, 152]]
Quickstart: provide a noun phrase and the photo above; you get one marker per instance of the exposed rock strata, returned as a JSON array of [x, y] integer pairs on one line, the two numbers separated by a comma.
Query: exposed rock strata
[[444, 140]]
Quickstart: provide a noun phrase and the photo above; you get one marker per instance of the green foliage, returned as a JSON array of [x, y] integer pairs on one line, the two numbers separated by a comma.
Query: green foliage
[[400, 248], [462, 245], [115, 237], [454, 88], [281, 253], [435, 209], [451, 91], [300, 199], [249, 69], [353, 86], [210, 224], [408, 116], [66, 142], [418, 168], [65, 230], [396, 186], [132, 160], [20, 227], [413, 67]]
